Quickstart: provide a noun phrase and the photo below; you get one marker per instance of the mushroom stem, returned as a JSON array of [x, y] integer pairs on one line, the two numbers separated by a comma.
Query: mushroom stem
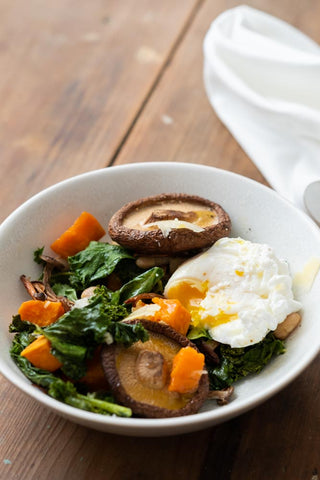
[[33, 288], [57, 262], [151, 369], [222, 396], [159, 215], [207, 347], [150, 261], [285, 328], [42, 290]]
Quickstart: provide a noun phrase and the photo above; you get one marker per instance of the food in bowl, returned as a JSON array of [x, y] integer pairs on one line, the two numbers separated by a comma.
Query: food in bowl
[[237, 291], [169, 224], [127, 331]]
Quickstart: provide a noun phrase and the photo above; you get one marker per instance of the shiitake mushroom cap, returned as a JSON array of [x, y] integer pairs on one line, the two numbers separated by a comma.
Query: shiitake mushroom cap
[[145, 409], [178, 239]]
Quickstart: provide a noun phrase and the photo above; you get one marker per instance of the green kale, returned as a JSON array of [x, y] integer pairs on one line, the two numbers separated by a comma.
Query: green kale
[[127, 334], [148, 281], [237, 363], [144, 283], [18, 325], [127, 269], [76, 334], [60, 277], [37, 256], [63, 391], [95, 263], [195, 333], [64, 290], [35, 375], [20, 342], [67, 393]]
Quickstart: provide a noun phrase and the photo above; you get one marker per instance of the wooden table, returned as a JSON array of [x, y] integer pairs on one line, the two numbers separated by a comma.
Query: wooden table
[[89, 84]]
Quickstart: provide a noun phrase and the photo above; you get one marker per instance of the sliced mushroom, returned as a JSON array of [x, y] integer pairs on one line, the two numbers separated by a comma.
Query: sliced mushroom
[[284, 329], [35, 289], [142, 297], [57, 262], [149, 261], [42, 291], [207, 347], [180, 223], [139, 375], [88, 292], [222, 396]]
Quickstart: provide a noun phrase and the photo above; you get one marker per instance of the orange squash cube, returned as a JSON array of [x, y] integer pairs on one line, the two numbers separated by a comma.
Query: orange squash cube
[[38, 353], [85, 229], [186, 371], [173, 313], [41, 313]]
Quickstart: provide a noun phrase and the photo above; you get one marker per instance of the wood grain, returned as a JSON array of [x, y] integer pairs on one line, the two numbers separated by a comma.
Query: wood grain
[[86, 84], [179, 125], [41, 445], [74, 77]]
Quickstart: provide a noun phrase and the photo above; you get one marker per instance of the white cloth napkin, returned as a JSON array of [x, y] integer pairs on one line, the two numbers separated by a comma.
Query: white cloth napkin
[[262, 77]]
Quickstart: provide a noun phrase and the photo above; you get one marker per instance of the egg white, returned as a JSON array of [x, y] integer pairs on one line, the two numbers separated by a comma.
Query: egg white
[[237, 290]]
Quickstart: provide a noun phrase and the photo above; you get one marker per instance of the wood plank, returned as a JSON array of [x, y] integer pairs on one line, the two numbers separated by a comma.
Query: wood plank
[[73, 77], [36, 444], [281, 438], [278, 440]]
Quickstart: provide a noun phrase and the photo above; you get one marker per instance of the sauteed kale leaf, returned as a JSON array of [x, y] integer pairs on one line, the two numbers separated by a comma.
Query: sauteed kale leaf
[[95, 263], [92, 402], [59, 389], [236, 363], [65, 290], [149, 281], [78, 332], [21, 340], [76, 335]]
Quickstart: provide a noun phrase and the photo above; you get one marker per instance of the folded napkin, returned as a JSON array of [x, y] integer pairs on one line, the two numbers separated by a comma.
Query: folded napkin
[[262, 77]]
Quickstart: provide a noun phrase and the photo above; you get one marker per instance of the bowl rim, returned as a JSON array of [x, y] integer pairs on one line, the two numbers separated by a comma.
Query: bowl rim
[[166, 426]]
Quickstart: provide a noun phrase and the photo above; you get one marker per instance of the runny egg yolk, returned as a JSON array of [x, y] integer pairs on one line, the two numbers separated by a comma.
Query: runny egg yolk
[[191, 295]]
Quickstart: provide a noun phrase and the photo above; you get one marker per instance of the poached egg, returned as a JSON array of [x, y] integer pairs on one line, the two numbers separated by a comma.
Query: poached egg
[[237, 290]]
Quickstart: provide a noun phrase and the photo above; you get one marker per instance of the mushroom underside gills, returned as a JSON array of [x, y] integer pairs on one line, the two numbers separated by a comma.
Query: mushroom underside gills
[[139, 375], [167, 224]]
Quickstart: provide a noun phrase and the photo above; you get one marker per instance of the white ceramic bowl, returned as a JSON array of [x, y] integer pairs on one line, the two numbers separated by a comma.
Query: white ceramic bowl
[[257, 213]]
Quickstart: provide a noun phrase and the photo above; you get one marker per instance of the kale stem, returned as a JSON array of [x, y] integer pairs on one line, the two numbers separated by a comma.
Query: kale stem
[[89, 403]]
